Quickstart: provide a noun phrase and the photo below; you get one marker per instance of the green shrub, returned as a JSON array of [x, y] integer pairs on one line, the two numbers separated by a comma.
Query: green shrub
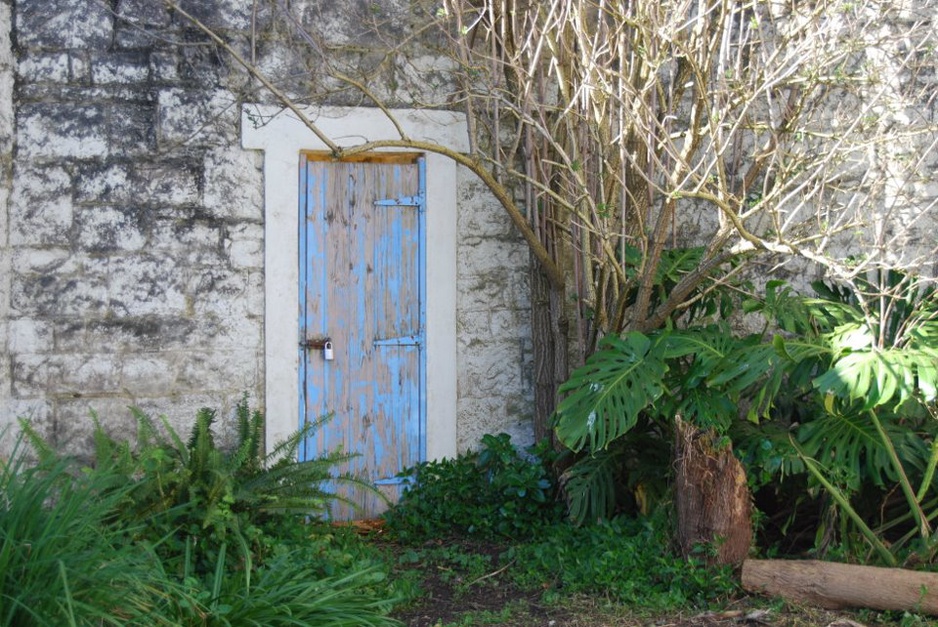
[[498, 491], [174, 532], [840, 391]]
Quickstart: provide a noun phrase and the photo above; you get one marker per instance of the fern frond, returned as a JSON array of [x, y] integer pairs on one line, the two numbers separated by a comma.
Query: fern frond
[[44, 451]]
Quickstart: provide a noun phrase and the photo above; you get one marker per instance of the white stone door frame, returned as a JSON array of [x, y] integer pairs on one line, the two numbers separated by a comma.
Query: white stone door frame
[[282, 136]]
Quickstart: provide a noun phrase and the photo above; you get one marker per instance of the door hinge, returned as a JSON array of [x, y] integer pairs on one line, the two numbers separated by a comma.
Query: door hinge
[[403, 201], [406, 340]]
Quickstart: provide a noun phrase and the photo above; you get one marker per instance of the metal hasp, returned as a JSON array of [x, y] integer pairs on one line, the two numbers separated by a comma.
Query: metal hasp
[[316, 342]]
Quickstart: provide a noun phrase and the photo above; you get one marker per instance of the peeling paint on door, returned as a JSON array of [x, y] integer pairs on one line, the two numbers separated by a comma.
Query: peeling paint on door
[[362, 292]]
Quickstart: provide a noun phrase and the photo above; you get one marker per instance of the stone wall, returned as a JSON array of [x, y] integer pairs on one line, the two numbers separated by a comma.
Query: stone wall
[[131, 245], [495, 360], [6, 166]]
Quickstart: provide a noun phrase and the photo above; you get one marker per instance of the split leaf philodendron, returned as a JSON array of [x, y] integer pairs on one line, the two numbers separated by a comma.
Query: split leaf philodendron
[[858, 365]]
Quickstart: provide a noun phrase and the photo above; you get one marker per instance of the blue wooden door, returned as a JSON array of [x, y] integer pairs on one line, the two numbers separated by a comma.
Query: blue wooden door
[[362, 311]]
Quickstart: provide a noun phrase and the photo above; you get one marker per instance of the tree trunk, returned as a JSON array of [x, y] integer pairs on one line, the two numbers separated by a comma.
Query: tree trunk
[[837, 586], [555, 347], [712, 500], [549, 347]]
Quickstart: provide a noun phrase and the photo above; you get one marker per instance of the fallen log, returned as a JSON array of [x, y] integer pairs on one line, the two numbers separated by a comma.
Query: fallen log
[[838, 586]]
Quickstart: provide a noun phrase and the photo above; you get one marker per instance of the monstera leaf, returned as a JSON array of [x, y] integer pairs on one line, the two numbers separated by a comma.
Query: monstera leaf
[[590, 485], [606, 395], [850, 443], [877, 377]]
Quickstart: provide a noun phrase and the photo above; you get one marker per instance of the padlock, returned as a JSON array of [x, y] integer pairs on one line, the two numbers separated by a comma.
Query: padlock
[[327, 351]]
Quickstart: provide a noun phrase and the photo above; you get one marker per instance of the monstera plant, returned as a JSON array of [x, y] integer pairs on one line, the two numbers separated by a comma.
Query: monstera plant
[[861, 361], [879, 392]]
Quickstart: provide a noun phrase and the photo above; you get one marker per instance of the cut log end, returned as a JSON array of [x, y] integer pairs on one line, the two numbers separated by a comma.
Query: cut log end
[[711, 497]]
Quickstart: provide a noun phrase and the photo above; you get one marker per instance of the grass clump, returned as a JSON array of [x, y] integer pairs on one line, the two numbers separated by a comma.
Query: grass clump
[[65, 557]]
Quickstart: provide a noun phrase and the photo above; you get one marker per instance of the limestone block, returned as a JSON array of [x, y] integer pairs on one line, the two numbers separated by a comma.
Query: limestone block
[[164, 67], [110, 229], [236, 331], [43, 261], [131, 129], [223, 303], [485, 291], [425, 78], [478, 416], [104, 182], [128, 334], [219, 282], [53, 295], [44, 68], [147, 374], [71, 425], [62, 130], [482, 328], [119, 67], [144, 13], [482, 257], [489, 366], [493, 323], [35, 189], [191, 242], [234, 184], [245, 246], [42, 375], [142, 284], [73, 24], [167, 182], [197, 116], [83, 374], [41, 225], [30, 336], [37, 411], [223, 15], [34, 410], [482, 217], [236, 369]]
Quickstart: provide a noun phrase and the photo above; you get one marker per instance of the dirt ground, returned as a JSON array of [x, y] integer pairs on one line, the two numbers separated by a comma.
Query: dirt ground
[[448, 598], [442, 605]]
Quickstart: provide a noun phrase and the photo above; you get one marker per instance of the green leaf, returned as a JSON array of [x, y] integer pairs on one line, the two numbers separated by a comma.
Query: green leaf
[[590, 486], [927, 371], [849, 443], [879, 377], [623, 378]]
